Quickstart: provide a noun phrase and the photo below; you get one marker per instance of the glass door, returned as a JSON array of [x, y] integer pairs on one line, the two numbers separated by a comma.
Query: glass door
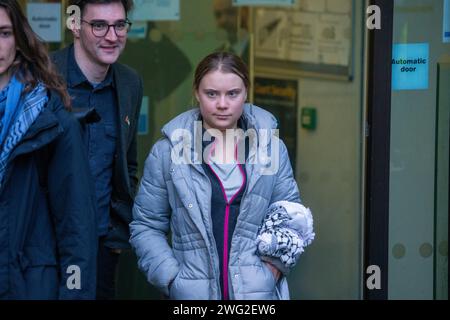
[[419, 139], [442, 181]]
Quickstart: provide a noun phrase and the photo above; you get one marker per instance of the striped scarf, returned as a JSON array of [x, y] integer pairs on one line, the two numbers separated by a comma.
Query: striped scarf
[[17, 114]]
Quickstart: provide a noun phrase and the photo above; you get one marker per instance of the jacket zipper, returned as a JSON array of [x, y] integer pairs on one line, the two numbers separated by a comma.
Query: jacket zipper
[[226, 221], [225, 253], [225, 228]]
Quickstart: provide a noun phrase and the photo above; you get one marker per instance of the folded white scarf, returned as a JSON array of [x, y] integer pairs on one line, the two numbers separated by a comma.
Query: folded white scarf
[[287, 229]]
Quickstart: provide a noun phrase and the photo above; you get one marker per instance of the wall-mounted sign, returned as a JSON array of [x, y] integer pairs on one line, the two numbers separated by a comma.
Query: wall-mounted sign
[[143, 117], [280, 97], [314, 37], [410, 66], [155, 10], [138, 30], [264, 2], [45, 20], [446, 22]]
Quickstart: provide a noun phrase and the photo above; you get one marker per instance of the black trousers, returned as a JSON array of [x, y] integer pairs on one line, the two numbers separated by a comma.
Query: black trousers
[[107, 262]]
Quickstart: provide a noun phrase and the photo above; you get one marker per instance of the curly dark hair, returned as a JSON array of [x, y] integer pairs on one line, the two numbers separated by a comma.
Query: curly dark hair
[[32, 63], [127, 4]]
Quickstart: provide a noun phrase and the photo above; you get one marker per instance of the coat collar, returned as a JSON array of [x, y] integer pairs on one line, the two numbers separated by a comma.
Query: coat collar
[[185, 128], [43, 131], [253, 116]]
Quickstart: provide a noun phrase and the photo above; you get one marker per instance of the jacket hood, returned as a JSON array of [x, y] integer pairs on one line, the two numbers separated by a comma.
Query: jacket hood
[[253, 116]]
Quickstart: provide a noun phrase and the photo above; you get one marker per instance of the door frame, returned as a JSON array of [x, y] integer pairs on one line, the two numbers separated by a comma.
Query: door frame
[[378, 122]]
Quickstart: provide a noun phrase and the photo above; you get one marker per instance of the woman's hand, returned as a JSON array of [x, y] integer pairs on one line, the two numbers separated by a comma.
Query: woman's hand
[[275, 271]]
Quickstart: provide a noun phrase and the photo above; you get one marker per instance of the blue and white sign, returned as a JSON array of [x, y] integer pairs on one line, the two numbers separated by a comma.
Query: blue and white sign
[[143, 117], [410, 66], [446, 22], [263, 2], [155, 10], [45, 20], [138, 30]]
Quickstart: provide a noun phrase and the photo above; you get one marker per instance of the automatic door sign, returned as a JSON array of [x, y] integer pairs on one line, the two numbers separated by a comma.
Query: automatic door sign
[[45, 20], [410, 66]]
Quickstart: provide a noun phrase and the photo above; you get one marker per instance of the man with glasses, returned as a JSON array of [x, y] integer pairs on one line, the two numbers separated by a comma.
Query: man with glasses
[[97, 82]]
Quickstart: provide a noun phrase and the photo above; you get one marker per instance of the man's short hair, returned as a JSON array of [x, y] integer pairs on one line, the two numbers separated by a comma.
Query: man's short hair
[[127, 4]]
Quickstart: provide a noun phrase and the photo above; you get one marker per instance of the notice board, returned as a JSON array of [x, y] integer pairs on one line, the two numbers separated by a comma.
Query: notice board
[[314, 36]]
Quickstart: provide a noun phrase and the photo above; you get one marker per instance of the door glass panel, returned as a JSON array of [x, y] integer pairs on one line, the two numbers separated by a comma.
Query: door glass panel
[[418, 165], [327, 152], [442, 182]]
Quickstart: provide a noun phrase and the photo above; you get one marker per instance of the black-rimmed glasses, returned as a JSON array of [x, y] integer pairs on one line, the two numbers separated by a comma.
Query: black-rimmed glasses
[[101, 28]]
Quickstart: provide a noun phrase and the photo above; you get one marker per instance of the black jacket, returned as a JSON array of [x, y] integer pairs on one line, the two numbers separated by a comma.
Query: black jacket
[[129, 99], [47, 213]]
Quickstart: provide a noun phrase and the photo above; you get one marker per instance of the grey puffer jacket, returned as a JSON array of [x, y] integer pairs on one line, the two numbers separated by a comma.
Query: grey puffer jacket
[[176, 197]]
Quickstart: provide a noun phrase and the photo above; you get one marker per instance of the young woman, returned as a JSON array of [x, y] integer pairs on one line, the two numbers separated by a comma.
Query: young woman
[[48, 234], [213, 207]]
